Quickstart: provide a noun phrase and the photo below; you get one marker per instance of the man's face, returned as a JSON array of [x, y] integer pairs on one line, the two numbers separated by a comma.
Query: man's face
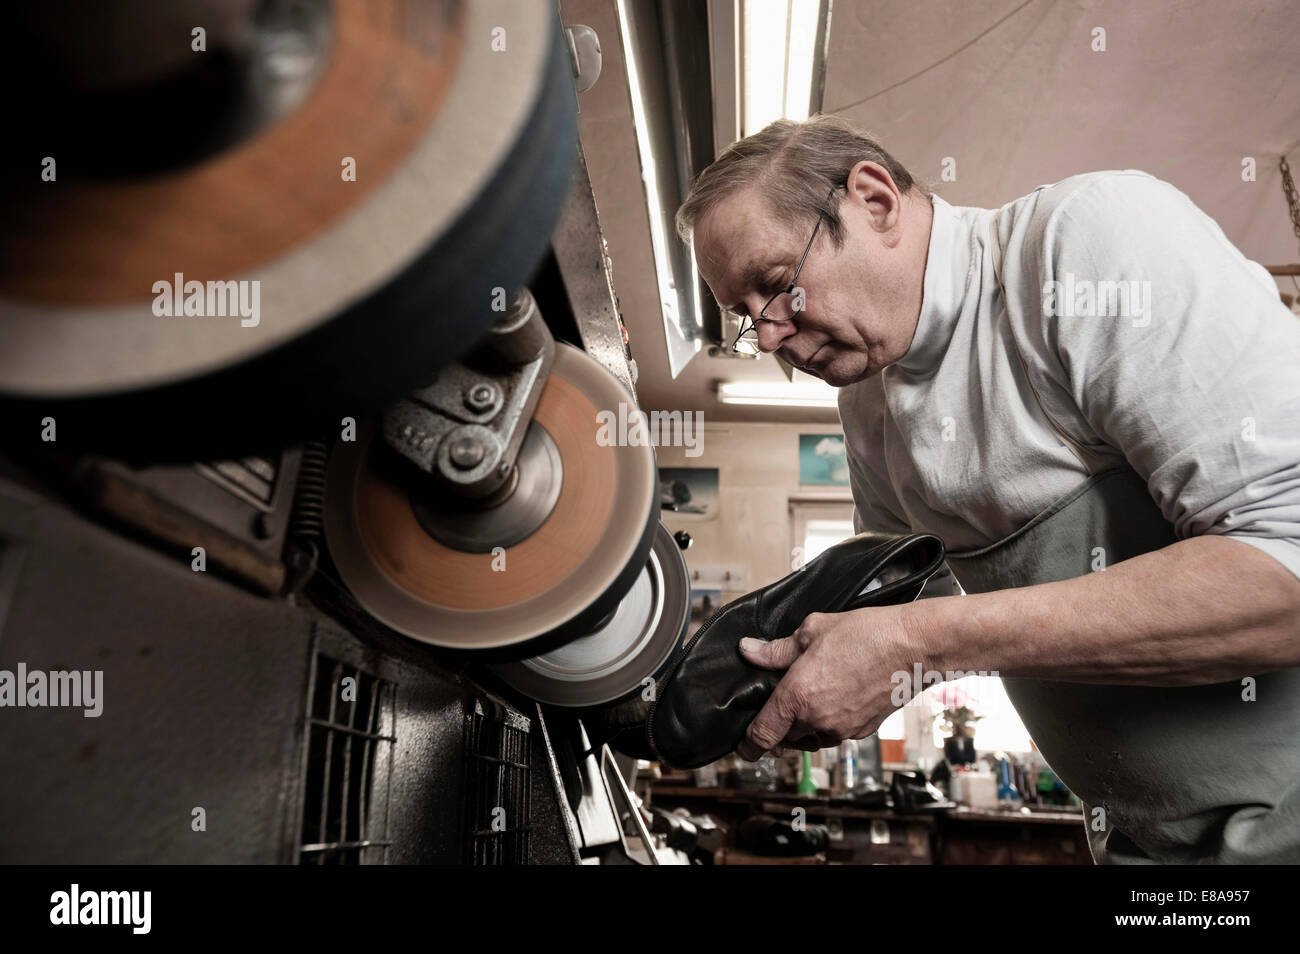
[[853, 316]]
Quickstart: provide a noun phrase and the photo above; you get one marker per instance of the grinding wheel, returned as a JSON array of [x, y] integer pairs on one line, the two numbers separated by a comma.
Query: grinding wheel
[[559, 582], [613, 661], [460, 119]]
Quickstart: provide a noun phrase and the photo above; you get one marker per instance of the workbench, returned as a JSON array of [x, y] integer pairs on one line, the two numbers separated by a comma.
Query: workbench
[[963, 836]]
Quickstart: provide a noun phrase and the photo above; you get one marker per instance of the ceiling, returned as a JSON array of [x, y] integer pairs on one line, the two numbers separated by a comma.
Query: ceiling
[[1014, 93]]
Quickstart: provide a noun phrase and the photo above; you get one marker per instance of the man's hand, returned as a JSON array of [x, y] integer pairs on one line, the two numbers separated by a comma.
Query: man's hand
[[839, 679]]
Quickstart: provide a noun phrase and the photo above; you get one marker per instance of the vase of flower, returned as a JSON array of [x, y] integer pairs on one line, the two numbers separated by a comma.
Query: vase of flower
[[959, 747]]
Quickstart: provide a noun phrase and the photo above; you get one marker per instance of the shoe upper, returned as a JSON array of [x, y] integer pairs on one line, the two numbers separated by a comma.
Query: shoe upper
[[705, 702]]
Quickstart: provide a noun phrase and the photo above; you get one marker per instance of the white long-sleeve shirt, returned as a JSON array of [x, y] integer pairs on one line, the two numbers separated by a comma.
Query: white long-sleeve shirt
[[1191, 375]]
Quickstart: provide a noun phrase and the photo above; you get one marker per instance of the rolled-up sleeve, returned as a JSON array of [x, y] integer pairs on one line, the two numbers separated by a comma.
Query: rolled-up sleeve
[[1198, 384]]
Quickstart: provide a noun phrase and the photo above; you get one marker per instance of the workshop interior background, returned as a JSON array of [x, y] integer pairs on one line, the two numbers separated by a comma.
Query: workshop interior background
[[302, 317]]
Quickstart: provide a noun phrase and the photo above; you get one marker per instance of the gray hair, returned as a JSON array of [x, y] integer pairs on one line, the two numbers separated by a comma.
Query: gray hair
[[796, 165]]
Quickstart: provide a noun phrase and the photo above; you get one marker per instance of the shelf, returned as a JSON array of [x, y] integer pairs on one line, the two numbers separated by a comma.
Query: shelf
[[842, 807]]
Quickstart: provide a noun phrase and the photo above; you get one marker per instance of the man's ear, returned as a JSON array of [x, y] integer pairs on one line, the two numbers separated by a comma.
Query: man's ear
[[871, 188]]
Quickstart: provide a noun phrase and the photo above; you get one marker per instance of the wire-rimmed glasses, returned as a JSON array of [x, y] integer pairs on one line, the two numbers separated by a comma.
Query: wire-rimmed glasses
[[746, 342]]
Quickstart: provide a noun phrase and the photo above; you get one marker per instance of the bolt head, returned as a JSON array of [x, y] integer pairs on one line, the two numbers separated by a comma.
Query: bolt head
[[480, 398], [466, 452]]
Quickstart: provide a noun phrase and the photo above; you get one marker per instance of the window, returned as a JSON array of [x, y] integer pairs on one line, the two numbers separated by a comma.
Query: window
[[817, 526], [821, 535], [1000, 728]]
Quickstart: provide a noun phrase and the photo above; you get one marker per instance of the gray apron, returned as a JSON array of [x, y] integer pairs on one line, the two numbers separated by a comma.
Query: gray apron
[[1166, 775]]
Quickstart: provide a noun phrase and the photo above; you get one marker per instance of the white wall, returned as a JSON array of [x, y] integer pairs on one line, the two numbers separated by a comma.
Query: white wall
[[758, 474]]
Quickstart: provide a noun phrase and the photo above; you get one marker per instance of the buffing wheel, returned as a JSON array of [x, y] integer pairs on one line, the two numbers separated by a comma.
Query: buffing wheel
[[460, 122], [614, 661], [559, 582]]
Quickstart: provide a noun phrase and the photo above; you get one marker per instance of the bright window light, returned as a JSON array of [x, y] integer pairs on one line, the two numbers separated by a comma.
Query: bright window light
[[892, 727], [1000, 728], [821, 535]]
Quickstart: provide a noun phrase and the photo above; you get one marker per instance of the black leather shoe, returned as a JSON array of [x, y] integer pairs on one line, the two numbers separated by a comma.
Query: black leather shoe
[[705, 702]]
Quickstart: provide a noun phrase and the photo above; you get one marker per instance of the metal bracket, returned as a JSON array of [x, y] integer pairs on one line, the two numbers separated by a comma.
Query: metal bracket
[[585, 267], [466, 427]]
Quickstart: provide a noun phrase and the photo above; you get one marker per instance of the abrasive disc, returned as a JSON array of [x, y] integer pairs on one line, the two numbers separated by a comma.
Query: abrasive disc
[[374, 220], [559, 582], [633, 646]]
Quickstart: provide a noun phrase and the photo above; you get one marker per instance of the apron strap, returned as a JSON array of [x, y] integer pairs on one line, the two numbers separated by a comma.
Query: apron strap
[[995, 248]]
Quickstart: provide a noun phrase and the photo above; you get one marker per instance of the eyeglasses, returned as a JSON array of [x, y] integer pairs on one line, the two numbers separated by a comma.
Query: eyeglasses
[[746, 342]]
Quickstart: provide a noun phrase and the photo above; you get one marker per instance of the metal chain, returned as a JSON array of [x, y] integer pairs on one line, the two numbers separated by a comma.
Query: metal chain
[[1292, 199]]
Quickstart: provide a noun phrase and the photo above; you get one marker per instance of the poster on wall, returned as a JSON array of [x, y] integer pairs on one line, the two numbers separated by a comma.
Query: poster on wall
[[821, 460], [704, 603], [689, 491]]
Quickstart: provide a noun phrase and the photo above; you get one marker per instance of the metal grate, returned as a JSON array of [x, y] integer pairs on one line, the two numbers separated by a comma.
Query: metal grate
[[498, 794], [350, 715]]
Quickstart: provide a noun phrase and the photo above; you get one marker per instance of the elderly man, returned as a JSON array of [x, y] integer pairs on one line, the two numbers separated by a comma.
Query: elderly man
[[1090, 378]]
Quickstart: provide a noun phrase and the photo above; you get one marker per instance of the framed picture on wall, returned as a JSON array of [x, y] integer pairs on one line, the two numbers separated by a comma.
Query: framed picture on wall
[[689, 491], [822, 462]]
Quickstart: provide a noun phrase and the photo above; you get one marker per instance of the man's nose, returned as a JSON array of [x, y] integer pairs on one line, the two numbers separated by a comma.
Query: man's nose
[[772, 333]]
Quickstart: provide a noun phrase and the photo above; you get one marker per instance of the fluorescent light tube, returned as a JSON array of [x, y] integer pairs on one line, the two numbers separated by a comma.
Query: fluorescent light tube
[[778, 393]]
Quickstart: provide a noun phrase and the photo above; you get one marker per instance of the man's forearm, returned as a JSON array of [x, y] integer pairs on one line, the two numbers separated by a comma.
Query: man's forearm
[[1203, 610]]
